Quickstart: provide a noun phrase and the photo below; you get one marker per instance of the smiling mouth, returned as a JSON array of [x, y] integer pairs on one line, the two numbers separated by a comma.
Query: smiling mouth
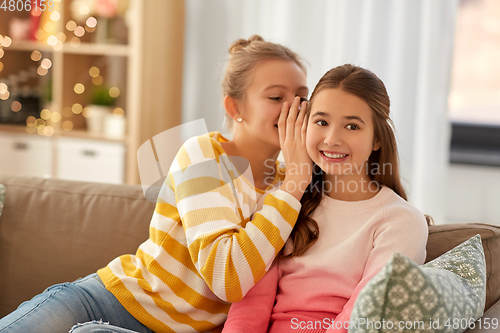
[[334, 156]]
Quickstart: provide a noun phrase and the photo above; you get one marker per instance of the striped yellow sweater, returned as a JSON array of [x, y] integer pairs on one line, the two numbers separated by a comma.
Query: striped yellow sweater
[[213, 235]]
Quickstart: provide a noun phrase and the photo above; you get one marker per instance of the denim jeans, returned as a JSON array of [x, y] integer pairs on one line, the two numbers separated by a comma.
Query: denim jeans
[[78, 307]]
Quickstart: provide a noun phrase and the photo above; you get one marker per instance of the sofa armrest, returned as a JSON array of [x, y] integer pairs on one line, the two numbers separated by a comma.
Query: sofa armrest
[[492, 313]]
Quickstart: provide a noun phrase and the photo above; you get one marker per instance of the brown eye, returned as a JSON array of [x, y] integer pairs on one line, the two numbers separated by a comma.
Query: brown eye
[[352, 127]]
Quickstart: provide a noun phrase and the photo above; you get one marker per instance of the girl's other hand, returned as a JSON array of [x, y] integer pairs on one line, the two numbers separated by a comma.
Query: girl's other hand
[[292, 132]]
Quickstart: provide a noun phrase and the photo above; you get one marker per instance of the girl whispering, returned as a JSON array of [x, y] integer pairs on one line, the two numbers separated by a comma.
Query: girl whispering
[[354, 215]]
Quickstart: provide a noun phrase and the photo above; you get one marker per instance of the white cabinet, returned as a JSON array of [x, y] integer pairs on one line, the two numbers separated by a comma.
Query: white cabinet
[[23, 154], [90, 160]]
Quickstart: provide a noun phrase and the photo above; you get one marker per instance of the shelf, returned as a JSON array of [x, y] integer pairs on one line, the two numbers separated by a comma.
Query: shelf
[[97, 49], [83, 48]]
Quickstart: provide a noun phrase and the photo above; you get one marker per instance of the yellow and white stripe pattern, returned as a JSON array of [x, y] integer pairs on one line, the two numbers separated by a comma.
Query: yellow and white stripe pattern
[[212, 237]]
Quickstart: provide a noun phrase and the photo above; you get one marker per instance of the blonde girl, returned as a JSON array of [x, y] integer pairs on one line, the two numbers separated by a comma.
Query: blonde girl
[[220, 219], [354, 215]]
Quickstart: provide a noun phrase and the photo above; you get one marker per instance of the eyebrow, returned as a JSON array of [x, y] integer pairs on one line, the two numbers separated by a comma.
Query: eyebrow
[[284, 87], [324, 114]]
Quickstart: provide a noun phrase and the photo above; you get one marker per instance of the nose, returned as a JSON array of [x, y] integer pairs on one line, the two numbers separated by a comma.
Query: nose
[[333, 137]]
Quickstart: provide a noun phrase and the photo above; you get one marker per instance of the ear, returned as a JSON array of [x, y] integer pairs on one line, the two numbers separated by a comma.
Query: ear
[[377, 144], [231, 106]]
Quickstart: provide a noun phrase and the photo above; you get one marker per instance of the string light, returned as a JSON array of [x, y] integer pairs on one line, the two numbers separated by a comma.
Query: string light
[[55, 16], [67, 125], [36, 55], [48, 27], [30, 121], [6, 42], [71, 25], [87, 112], [118, 112], [42, 71], [79, 31], [79, 88], [84, 10], [114, 92], [45, 114], [52, 40], [77, 108], [5, 96], [97, 80], [16, 106], [46, 63], [61, 36], [91, 22], [55, 117], [94, 71], [48, 131]]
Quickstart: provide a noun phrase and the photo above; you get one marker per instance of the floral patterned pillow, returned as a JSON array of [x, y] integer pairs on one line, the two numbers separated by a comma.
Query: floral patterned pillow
[[447, 294]]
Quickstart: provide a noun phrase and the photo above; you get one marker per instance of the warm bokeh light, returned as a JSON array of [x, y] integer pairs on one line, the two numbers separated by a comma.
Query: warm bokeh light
[[39, 130], [16, 106], [75, 42], [84, 10], [36, 11], [40, 34], [55, 117], [61, 36], [79, 31], [55, 16], [97, 80], [91, 22], [5, 96], [46, 63], [6, 42], [3, 88], [42, 71], [36, 55], [79, 88], [77, 108], [1, 66], [87, 112], [45, 114], [58, 46], [118, 112], [1, 53], [114, 92], [52, 40], [39, 122], [94, 71], [67, 125], [48, 131], [48, 27], [30, 121], [67, 112], [71, 25]]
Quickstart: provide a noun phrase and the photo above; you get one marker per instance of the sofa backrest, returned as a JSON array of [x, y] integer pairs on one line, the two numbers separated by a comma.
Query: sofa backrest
[[54, 231]]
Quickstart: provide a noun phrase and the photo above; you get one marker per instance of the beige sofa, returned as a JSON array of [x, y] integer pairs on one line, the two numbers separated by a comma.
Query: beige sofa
[[55, 231]]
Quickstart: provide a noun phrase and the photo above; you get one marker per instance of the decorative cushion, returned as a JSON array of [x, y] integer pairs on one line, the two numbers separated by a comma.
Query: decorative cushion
[[2, 198], [445, 295]]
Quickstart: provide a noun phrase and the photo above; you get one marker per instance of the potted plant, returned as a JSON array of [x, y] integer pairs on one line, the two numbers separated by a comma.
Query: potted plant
[[101, 104]]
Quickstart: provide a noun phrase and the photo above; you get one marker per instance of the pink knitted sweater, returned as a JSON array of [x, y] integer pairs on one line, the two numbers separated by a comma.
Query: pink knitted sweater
[[315, 291]]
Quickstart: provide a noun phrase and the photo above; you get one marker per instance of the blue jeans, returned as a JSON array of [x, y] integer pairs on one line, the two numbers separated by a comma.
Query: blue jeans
[[78, 307]]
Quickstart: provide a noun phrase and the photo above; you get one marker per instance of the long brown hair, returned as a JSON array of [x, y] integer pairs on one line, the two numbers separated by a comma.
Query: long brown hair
[[367, 86]]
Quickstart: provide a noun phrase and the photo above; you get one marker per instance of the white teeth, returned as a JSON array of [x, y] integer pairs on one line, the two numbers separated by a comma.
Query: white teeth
[[334, 155]]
